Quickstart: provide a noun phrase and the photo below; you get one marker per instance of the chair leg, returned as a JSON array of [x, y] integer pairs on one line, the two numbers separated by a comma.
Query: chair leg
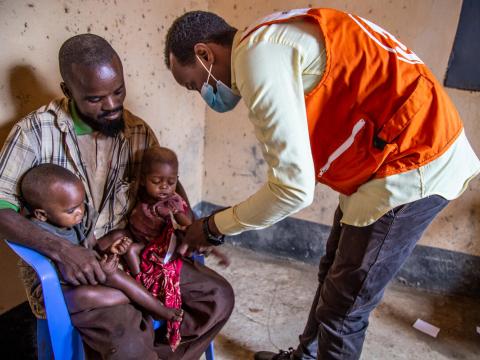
[[44, 344], [209, 353]]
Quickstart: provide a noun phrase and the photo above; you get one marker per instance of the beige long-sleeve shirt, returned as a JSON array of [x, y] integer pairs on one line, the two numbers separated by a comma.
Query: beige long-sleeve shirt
[[273, 69]]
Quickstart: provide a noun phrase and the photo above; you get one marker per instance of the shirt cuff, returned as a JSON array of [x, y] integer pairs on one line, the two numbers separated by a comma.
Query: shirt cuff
[[226, 222]]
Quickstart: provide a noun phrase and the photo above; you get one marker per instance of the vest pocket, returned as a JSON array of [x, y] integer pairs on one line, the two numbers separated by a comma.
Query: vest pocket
[[343, 147], [353, 161], [393, 127]]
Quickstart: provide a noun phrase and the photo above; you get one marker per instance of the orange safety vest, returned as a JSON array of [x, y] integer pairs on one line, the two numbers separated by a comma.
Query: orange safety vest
[[378, 110]]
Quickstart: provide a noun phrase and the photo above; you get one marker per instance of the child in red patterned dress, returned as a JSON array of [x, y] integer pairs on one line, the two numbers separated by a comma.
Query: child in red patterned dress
[[151, 259]]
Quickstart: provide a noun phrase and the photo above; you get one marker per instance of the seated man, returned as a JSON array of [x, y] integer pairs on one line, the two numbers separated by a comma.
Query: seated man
[[90, 133]]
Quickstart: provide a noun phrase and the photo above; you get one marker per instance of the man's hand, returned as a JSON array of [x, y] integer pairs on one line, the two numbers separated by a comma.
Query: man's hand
[[79, 266], [193, 239], [109, 263]]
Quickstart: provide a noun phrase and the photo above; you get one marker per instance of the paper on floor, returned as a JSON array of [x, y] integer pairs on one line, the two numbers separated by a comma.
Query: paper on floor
[[426, 328], [478, 329]]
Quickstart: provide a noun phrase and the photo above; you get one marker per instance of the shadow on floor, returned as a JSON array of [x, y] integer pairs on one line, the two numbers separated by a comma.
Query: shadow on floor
[[18, 333], [231, 349]]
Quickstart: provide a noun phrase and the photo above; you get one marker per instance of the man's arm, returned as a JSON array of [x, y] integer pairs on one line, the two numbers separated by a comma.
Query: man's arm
[[77, 264], [20, 152]]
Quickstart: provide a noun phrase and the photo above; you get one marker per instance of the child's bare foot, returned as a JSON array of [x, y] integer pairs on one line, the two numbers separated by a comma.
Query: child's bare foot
[[170, 314]]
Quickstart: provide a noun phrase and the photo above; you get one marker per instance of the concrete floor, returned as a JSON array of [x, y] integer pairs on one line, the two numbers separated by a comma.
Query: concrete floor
[[273, 297]]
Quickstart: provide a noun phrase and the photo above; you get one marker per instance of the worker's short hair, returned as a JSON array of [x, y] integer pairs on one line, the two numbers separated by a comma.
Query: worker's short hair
[[192, 28]]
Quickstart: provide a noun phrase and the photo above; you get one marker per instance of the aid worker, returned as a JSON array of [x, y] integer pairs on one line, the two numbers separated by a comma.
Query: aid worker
[[335, 99]]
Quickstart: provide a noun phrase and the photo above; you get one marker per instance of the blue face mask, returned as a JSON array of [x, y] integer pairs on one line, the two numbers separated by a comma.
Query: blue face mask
[[223, 99]]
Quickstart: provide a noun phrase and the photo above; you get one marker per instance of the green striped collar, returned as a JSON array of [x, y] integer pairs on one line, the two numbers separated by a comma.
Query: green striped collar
[[81, 128]]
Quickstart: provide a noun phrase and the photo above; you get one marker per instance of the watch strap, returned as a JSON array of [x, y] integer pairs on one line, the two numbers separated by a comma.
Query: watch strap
[[211, 238]]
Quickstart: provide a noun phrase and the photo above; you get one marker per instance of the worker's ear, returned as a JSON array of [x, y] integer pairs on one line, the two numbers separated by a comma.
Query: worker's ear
[[204, 52], [66, 91], [40, 214]]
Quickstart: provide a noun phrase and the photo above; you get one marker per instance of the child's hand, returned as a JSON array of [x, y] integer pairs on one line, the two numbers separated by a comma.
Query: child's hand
[[120, 246], [109, 263], [162, 210], [175, 203]]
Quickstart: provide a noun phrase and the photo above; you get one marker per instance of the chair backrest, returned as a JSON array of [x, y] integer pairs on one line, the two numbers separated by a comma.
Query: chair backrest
[[62, 338], [65, 341]]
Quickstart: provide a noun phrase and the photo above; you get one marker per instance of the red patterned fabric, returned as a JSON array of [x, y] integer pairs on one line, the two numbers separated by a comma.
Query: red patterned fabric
[[162, 280]]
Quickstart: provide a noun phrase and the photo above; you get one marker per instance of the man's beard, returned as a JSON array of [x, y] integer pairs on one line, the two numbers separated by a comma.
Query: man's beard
[[107, 127]]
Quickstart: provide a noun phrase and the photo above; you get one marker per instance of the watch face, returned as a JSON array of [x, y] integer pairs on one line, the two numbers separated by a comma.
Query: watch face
[[216, 240]]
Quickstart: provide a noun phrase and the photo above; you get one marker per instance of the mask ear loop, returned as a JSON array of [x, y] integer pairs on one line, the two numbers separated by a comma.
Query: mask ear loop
[[208, 70]]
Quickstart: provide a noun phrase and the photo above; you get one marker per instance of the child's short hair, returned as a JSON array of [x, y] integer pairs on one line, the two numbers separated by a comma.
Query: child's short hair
[[158, 154], [37, 183]]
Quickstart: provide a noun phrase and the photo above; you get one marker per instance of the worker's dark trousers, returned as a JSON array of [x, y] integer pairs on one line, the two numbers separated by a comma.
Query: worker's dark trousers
[[358, 264]]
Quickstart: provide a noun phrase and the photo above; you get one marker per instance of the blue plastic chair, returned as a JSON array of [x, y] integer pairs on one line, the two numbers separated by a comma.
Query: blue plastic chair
[[57, 337]]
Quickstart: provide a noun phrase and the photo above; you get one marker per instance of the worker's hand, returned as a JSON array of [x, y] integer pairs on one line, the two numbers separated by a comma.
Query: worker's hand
[[79, 266], [223, 259], [193, 239]]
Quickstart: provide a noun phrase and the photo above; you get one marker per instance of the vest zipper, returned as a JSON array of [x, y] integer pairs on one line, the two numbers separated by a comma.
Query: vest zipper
[[343, 147]]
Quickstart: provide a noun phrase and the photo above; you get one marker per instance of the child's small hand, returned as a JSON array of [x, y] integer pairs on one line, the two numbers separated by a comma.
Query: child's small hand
[[120, 246], [175, 203], [162, 210], [109, 263]]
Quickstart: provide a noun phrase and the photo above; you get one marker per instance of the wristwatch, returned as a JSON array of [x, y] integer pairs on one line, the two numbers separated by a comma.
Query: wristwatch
[[211, 238]]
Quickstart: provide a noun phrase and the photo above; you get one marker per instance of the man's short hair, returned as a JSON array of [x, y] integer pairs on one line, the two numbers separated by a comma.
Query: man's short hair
[[37, 183], [158, 155], [192, 28], [84, 49]]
